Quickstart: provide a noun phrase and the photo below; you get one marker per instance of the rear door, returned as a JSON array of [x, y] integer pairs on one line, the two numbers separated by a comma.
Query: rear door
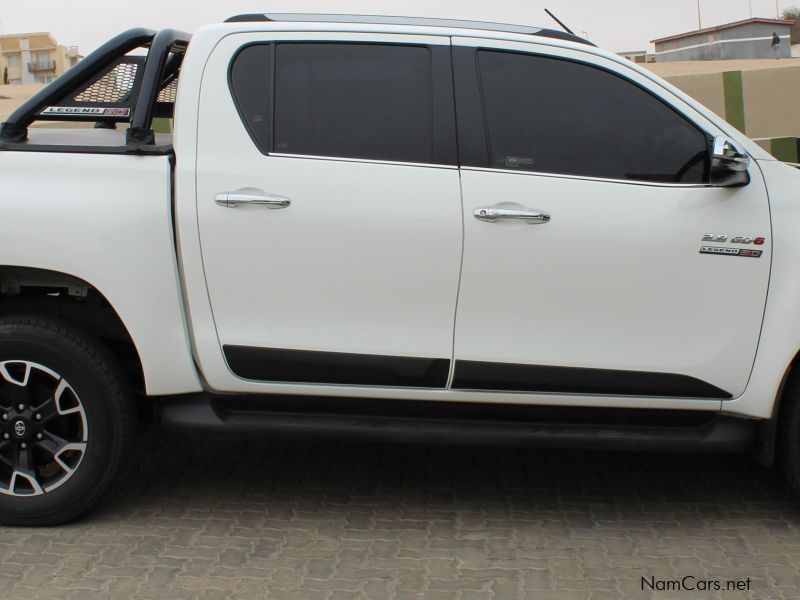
[[329, 211], [586, 207]]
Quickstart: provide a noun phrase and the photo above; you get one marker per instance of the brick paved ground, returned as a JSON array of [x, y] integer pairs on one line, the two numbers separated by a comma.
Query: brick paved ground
[[199, 519]]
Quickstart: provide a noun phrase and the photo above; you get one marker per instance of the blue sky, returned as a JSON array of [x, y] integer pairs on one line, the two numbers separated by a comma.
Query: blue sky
[[615, 25]]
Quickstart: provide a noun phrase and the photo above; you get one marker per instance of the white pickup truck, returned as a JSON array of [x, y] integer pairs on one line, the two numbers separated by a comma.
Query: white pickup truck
[[386, 229]]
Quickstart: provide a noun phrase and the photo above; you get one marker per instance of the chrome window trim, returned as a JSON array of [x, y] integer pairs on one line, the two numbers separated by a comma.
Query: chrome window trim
[[590, 57], [588, 178], [618, 68], [362, 160]]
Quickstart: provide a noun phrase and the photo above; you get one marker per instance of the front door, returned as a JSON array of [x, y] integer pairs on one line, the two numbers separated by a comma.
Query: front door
[[329, 209], [588, 264]]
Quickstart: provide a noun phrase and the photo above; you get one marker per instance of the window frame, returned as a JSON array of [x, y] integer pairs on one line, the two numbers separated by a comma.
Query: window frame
[[443, 126], [473, 130], [271, 100]]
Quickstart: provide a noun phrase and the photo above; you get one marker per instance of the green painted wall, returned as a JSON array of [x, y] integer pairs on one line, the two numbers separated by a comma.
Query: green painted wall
[[734, 99], [161, 125], [784, 148]]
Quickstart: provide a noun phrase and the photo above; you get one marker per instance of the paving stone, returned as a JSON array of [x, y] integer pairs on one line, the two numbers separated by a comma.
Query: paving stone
[[244, 519]]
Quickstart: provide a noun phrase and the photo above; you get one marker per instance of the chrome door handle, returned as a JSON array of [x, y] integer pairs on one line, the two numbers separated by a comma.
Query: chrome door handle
[[493, 214], [234, 199]]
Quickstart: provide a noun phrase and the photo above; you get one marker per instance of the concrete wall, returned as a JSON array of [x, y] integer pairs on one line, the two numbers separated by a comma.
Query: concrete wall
[[761, 102], [707, 88], [751, 40], [742, 49], [771, 100]]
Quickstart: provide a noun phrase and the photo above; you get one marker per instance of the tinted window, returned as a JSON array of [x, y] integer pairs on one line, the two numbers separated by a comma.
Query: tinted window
[[252, 90], [557, 116], [354, 100]]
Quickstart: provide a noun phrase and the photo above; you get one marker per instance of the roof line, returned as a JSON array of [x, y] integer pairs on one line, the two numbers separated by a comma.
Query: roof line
[[401, 20], [679, 36]]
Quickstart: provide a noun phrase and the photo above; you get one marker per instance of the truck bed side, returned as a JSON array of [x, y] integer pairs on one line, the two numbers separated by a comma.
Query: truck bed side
[[106, 219]]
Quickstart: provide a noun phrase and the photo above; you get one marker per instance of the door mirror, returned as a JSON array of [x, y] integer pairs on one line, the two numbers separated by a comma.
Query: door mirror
[[729, 163]]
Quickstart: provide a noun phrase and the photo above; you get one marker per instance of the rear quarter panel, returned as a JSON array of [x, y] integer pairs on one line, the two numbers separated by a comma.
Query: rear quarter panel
[[106, 219]]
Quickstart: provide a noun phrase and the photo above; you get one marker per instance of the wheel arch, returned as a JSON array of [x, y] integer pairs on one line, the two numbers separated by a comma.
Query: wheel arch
[[767, 431], [157, 360], [31, 290]]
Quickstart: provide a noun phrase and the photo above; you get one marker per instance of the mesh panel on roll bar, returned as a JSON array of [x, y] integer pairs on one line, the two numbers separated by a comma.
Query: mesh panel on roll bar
[[114, 86], [169, 93], [109, 96]]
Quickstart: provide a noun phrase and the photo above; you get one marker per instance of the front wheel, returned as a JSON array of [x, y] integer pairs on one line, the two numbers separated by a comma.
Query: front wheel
[[66, 421]]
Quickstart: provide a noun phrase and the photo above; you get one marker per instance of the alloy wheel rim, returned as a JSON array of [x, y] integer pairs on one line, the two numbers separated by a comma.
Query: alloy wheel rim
[[43, 429]]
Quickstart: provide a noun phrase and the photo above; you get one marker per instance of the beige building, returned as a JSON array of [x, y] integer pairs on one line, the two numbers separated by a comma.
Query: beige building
[[638, 56], [35, 57]]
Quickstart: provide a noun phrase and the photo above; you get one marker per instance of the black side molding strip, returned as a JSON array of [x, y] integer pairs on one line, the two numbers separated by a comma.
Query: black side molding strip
[[303, 366], [474, 375], [254, 416]]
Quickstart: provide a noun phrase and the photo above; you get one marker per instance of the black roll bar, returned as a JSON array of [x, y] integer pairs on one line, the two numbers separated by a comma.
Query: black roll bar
[[15, 129], [161, 45], [164, 43]]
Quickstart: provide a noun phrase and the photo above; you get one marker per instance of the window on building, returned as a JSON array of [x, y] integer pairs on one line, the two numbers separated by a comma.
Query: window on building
[[557, 116], [13, 60]]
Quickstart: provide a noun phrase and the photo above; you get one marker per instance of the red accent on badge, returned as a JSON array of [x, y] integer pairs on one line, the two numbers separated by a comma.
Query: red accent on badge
[[759, 241]]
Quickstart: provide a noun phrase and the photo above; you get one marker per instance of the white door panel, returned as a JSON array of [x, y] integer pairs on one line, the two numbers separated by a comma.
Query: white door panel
[[612, 295], [615, 280], [364, 261]]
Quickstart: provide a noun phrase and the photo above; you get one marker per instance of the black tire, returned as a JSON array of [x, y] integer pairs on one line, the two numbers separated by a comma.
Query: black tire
[[104, 420], [788, 438]]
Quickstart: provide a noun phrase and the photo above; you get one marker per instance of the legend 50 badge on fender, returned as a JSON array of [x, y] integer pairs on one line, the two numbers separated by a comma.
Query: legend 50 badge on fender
[[737, 239], [731, 251]]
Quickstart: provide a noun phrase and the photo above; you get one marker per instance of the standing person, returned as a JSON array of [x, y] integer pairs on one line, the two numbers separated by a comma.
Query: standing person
[[776, 45]]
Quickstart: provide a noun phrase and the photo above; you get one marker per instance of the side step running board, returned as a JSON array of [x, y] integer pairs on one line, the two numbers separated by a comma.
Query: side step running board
[[215, 415]]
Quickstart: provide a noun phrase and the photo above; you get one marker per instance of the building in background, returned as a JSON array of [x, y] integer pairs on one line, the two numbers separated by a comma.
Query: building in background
[[751, 38], [637, 56], [35, 57]]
